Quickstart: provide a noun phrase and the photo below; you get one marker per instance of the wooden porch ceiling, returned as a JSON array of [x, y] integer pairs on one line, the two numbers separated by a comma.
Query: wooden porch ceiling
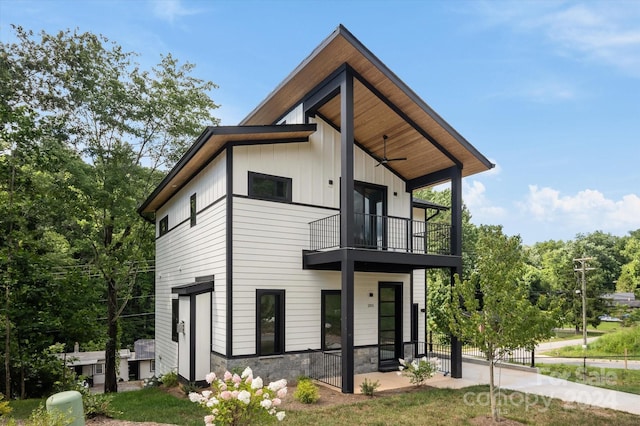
[[383, 105]]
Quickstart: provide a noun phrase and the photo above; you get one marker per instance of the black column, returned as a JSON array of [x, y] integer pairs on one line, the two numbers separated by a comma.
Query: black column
[[456, 250], [346, 229]]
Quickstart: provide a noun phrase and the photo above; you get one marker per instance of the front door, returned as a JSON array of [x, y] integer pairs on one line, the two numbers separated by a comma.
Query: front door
[[389, 325]]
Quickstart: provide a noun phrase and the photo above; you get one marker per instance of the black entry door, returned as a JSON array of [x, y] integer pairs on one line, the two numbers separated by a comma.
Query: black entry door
[[389, 325], [369, 208]]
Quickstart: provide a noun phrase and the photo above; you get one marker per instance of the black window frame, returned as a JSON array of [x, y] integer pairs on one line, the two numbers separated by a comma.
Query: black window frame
[[286, 198], [163, 226], [175, 317], [192, 210], [323, 319], [279, 322]]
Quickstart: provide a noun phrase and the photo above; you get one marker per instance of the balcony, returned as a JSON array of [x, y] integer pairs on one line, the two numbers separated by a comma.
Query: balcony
[[391, 243]]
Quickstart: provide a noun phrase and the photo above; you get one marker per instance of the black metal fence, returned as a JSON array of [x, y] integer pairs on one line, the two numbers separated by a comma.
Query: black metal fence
[[326, 367], [431, 349], [383, 233], [520, 356]]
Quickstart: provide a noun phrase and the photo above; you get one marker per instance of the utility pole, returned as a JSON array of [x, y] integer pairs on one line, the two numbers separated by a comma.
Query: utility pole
[[582, 269]]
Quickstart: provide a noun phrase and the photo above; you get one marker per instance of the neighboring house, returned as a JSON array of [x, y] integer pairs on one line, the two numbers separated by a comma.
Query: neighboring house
[[142, 364], [297, 230], [91, 364], [622, 299]]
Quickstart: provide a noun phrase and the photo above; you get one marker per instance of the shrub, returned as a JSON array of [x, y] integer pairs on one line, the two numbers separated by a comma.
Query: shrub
[[368, 388], [41, 417], [241, 399], [306, 392], [190, 387], [418, 370], [170, 379]]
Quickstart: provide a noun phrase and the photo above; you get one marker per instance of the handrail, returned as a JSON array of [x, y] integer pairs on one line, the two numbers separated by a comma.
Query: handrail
[[383, 233]]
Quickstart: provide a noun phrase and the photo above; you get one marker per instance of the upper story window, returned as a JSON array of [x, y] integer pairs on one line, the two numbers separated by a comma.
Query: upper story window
[[267, 187], [193, 211], [164, 226]]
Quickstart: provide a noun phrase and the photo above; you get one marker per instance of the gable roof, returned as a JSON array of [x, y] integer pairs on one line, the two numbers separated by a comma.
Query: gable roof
[[383, 105]]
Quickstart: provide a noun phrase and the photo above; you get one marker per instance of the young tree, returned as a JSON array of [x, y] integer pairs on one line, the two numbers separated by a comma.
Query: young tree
[[128, 124], [503, 318]]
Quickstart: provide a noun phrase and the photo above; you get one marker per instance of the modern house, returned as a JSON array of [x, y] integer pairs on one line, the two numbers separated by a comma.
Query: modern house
[[296, 232]]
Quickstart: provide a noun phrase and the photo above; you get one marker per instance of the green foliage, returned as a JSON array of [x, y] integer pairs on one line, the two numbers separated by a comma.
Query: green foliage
[[306, 392], [5, 408], [368, 387], [190, 387], [69, 97], [169, 379], [615, 343], [495, 313], [418, 370], [42, 417]]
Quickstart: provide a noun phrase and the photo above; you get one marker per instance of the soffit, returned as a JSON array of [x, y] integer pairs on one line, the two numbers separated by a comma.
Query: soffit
[[415, 136]]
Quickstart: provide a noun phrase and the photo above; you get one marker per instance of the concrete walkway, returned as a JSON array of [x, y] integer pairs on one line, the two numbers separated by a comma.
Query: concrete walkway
[[541, 387]]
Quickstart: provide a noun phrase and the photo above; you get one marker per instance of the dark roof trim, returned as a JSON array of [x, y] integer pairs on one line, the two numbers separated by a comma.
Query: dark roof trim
[[342, 31], [193, 288], [222, 130], [424, 204]]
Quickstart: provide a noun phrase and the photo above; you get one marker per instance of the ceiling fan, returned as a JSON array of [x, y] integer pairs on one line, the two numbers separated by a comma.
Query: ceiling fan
[[384, 159]]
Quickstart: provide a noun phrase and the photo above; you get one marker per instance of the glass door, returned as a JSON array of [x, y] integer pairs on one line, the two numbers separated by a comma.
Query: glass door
[[370, 209], [389, 325]]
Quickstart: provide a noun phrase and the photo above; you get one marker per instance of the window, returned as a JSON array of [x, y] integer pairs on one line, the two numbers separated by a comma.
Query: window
[[270, 322], [331, 320], [152, 367], [164, 226], [99, 369], [192, 205], [174, 320], [267, 187]]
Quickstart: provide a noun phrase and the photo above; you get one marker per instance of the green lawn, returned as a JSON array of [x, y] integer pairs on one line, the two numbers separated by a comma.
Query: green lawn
[[145, 405], [608, 378], [426, 406], [611, 344]]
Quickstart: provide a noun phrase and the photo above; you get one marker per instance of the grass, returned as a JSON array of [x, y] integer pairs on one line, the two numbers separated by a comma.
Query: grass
[[608, 378], [425, 406], [145, 405], [455, 407], [612, 344]]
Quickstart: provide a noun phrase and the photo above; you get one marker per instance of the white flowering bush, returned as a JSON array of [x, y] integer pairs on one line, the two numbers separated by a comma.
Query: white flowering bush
[[241, 400], [418, 370]]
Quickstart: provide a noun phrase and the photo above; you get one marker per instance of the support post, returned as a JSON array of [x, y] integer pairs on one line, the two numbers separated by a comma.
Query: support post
[[347, 221], [456, 250]]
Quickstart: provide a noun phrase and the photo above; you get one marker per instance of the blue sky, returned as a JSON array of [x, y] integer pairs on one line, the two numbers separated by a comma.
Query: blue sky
[[548, 90]]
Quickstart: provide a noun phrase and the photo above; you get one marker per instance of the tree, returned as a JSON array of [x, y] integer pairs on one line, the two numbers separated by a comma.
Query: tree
[[503, 318], [629, 278], [129, 125]]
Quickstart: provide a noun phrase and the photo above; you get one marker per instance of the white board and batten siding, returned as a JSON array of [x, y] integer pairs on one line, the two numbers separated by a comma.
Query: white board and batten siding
[[420, 285], [186, 252], [268, 239]]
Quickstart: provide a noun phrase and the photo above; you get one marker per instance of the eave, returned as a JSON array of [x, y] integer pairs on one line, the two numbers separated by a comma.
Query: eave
[[383, 105], [208, 146]]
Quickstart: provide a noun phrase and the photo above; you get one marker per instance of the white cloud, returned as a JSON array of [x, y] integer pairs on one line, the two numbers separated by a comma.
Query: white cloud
[[586, 211], [604, 32], [170, 10], [481, 208]]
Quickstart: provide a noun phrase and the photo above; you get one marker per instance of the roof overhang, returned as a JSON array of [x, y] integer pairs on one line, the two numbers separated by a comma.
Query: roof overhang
[[383, 105], [209, 144]]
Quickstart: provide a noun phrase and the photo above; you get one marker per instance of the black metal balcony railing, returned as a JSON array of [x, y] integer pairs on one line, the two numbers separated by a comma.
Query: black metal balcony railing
[[383, 233]]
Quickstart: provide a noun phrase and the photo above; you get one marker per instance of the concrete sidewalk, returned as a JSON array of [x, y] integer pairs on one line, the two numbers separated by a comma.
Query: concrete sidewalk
[[525, 380]]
